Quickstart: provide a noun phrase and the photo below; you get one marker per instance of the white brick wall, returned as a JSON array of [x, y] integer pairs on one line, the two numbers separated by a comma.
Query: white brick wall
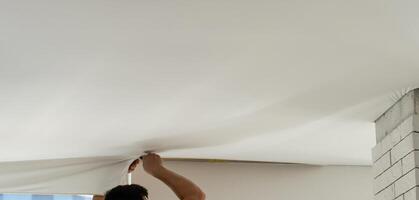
[[408, 162], [388, 177], [396, 155], [396, 167], [399, 112], [405, 183], [404, 147], [394, 137], [383, 164], [386, 194], [393, 180], [412, 194]]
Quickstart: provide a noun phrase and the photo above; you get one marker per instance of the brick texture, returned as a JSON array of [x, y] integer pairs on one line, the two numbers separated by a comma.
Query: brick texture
[[396, 155]]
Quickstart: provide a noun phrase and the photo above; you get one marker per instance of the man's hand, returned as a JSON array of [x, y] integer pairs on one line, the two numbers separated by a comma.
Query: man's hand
[[152, 163], [184, 188], [133, 165]]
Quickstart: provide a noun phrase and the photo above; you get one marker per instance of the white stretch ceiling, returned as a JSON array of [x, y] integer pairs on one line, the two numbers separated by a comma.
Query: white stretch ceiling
[[281, 80]]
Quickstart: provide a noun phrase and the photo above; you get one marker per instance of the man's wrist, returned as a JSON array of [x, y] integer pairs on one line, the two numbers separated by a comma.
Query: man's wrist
[[158, 172]]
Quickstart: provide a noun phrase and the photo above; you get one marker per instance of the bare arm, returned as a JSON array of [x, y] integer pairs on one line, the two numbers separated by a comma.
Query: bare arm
[[184, 188]]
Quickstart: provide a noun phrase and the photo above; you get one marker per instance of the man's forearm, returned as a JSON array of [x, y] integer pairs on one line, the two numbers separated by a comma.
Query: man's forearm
[[184, 188]]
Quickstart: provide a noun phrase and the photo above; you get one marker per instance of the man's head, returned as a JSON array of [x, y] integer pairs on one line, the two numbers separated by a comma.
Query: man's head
[[127, 192]]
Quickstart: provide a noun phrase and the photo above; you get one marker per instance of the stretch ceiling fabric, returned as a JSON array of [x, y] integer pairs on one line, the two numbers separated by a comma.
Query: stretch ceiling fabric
[[280, 80], [64, 176]]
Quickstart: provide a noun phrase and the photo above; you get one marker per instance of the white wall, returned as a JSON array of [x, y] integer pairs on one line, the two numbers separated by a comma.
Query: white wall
[[227, 181]]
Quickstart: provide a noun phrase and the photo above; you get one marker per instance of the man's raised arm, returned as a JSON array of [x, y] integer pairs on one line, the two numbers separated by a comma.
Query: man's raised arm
[[184, 188]]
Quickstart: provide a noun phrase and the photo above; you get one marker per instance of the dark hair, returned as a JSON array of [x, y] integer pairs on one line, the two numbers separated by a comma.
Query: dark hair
[[127, 192]]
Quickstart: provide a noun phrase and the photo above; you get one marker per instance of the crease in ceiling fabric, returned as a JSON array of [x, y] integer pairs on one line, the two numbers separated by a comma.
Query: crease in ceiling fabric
[[64, 176]]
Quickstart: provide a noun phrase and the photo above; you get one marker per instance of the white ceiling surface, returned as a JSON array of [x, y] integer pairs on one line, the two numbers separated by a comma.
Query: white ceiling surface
[[285, 81]]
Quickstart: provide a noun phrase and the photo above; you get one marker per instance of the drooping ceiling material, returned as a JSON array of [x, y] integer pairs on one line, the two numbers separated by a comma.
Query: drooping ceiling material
[[276, 81]]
